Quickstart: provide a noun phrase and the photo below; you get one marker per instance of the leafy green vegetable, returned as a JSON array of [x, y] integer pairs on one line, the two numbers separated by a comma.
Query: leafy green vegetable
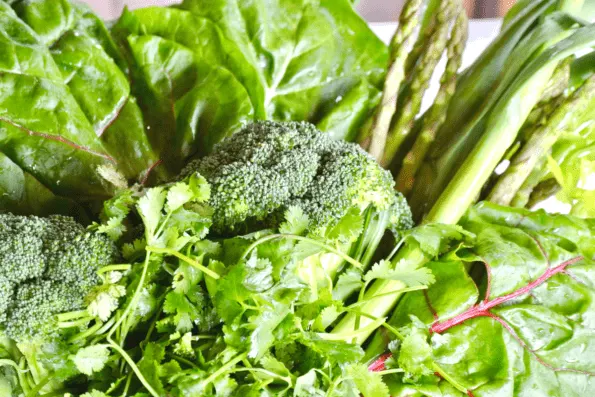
[[57, 145], [99, 87], [301, 69], [525, 326], [21, 193]]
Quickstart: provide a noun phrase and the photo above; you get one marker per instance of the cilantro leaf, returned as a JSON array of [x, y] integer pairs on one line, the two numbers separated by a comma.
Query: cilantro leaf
[[296, 221], [384, 270], [369, 383], [91, 359]]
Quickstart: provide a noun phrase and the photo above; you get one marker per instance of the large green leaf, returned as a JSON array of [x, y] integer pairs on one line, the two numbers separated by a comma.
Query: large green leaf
[[21, 193], [196, 104], [55, 143], [305, 60], [308, 56], [527, 328], [83, 52]]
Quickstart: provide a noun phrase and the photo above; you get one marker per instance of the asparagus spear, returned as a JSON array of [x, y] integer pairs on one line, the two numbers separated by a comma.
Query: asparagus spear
[[437, 40], [400, 46], [541, 142], [437, 114], [543, 191], [478, 89], [523, 195], [552, 98]]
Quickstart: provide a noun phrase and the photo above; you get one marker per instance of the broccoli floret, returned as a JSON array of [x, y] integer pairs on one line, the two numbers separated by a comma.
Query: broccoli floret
[[47, 267], [268, 167]]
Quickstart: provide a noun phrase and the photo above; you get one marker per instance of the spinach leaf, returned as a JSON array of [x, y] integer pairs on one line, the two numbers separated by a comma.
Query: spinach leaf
[[309, 56], [325, 66], [526, 326]]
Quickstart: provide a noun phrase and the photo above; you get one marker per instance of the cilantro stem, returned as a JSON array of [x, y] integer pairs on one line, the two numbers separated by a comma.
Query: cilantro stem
[[225, 368], [86, 333], [449, 379], [115, 385], [114, 268], [184, 361], [396, 249], [186, 259], [11, 363], [133, 366], [23, 379], [76, 323], [127, 384], [327, 247], [122, 318], [400, 291], [40, 385], [384, 324], [285, 379], [106, 326], [72, 315]]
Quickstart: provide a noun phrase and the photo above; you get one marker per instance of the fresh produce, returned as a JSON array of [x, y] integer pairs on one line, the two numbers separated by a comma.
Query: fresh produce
[[83, 111], [509, 311], [239, 244], [268, 167], [49, 266]]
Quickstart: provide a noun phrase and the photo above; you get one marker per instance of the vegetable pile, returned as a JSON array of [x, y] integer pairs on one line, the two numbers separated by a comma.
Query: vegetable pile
[[230, 198]]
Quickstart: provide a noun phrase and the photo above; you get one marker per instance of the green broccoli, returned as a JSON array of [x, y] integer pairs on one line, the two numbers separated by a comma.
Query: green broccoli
[[268, 167], [47, 267]]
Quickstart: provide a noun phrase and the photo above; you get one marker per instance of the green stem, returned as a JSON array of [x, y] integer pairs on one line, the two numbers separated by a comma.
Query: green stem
[[390, 371], [87, 333], [356, 334], [569, 115], [186, 259], [133, 366], [436, 117], [184, 361], [225, 368], [77, 323], [72, 315], [11, 363], [449, 379], [40, 385], [401, 291], [285, 379], [127, 384], [317, 243], [543, 191], [114, 268]]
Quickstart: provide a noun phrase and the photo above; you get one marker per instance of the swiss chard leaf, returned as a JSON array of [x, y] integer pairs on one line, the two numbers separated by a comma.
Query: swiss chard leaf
[[308, 56], [56, 144], [323, 66], [21, 193], [526, 328], [85, 57]]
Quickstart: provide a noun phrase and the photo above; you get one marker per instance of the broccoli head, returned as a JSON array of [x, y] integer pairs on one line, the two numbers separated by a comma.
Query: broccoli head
[[268, 167], [47, 267]]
